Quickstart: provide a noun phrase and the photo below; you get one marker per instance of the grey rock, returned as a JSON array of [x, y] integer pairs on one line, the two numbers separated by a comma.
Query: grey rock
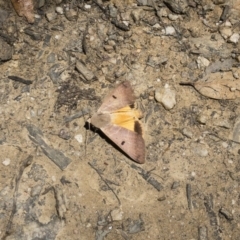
[[55, 72], [6, 51], [3, 15], [35, 134], [177, 6], [51, 58], [236, 131], [86, 73]]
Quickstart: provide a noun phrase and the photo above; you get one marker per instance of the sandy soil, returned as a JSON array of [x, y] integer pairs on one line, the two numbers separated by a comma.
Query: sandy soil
[[59, 180]]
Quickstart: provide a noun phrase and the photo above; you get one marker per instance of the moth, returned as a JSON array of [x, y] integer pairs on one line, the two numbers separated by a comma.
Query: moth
[[119, 121]]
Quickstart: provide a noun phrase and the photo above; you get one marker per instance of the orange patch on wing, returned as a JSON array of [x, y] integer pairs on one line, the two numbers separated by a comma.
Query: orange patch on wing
[[126, 117]]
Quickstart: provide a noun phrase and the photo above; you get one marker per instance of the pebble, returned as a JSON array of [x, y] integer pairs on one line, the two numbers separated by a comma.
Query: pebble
[[202, 118], [71, 15], [59, 10], [136, 15], [200, 150], [55, 71], [234, 38], [166, 96], [117, 214], [175, 185], [226, 32], [79, 138], [169, 31], [87, 6], [226, 213], [163, 12], [178, 7], [6, 51], [6, 162], [202, 62], [236, 131], [35, 191], [173, 17], [51, 16], [187, 133]]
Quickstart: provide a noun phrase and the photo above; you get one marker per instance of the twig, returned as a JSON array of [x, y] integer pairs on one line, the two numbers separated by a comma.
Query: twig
[[105, 182], [24, 164], [21, 80]]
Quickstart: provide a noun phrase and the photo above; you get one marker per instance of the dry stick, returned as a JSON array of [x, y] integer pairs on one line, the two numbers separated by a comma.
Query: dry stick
[[24, 164], [105, 182]]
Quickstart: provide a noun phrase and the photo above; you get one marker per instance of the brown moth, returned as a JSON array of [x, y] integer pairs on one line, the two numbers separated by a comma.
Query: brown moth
[[119, 121]]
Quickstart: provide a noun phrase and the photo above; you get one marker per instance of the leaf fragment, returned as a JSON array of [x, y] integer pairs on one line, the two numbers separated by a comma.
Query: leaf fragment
[[24, 8], [219, 86]]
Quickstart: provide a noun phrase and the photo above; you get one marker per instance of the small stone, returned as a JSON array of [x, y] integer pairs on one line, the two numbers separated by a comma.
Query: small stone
[[163, 12], [200, 150], [6, 51], [173, 17], [186, 132], [79, 138], [166, 96], [87, 6], [225, 144], [136, 15], [59, 10], [156, 26], [235, 75], [6, 162], [51, 58], [226, 32], [221, 122], [202, 62], [71, 15], [202, 118], [234, 38], [51, 16], [227, 214], [64, 134], [178, 7], [36, 190], [169, 31], [117, 214], [236, 131], [175, 185]]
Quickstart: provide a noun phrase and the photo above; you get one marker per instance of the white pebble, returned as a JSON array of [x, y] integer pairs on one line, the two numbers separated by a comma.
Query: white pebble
[[225, 144], [234, 38], [117, 214], [87, 6], [226, 32], [6, 162], [169, 30], [166, 96], [202, 62], [79, 138], [59, 10]]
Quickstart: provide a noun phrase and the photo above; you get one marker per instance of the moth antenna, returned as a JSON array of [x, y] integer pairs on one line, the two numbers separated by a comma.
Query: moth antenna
[[86, 135]]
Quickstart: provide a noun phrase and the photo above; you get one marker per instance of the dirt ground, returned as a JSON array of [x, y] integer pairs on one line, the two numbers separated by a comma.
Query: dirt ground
[[60, 180]]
